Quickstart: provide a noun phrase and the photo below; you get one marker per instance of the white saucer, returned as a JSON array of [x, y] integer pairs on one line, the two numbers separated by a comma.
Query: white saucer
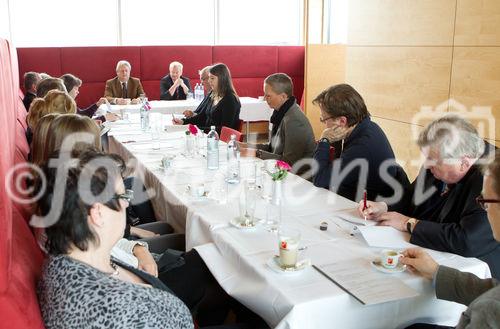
[[275, 265], [236, 222], [377, 264]]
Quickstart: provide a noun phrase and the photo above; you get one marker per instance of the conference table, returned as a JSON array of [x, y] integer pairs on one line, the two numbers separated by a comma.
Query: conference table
[[240, 258], [252, 109]]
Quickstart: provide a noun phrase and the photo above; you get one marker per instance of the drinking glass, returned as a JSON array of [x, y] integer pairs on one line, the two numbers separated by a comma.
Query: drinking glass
[[248, 200]]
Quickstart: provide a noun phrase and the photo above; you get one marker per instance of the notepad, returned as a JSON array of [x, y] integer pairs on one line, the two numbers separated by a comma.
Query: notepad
[[352, 216], [357, 279]]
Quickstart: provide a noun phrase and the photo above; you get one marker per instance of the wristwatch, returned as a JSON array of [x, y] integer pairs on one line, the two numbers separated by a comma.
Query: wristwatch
[[410, 225], [324, 139]]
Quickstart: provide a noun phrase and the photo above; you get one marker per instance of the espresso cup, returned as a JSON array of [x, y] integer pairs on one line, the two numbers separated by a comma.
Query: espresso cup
[[197, 190], [390, 258]]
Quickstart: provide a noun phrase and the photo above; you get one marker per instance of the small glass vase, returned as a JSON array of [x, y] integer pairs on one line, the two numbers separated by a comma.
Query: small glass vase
[[274, 211]]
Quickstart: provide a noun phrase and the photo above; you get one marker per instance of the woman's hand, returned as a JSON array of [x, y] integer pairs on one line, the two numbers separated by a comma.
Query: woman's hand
[[141, 233], [176, 121], [419, 261], [146, 260]]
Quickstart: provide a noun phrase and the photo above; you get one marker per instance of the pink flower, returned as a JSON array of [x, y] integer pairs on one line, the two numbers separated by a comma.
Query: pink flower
[[282, 165], [193, 129]]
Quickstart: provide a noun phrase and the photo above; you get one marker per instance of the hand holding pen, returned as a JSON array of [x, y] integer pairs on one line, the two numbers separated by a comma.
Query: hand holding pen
[[371, 209]]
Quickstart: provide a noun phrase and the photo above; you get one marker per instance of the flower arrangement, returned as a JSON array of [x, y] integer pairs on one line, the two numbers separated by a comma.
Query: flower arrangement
[[282, 169], [192, 130]]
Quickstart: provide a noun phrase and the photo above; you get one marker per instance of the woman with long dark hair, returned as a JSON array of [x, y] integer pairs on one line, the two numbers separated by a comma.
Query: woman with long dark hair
[[224, 107]]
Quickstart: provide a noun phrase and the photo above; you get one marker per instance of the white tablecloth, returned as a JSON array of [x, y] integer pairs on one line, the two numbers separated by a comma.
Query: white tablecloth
[[252, 109], [237, 258]]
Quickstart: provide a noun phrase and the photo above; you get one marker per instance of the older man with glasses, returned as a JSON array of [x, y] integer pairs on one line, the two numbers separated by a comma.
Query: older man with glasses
[[440, 209]]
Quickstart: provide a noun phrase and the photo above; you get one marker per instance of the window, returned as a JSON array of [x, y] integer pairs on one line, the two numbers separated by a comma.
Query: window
[[260, 22], [36, 23], [58, 23], [157, 22]]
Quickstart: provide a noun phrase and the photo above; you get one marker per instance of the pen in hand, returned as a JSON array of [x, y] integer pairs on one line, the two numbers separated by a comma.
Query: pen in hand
[[365, 206]]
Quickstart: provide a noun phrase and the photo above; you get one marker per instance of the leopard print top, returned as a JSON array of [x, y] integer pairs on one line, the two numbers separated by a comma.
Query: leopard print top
[[75, 295]]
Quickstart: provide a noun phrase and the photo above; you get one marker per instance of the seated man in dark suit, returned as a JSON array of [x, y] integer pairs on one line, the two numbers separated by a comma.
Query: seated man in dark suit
[[123, 89], [208, 90], [439, 209], [482, 296], [30, 81], [353, 151], [174, 86]]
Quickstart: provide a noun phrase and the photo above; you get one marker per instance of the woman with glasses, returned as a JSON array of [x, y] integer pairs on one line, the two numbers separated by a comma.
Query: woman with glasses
[[81, 284], [482, 296], [352, 148]]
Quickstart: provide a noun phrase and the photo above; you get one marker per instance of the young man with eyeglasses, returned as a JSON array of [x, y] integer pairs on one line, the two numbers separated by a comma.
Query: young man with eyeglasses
[[352, 148]]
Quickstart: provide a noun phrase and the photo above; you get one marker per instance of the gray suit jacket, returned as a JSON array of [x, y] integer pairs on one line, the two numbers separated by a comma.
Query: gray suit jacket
[[294, 139], [482, 296]]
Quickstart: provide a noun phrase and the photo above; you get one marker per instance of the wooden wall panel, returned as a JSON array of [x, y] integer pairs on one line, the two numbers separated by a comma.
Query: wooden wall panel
[[325, 67], [401, 22], [403, 142], [477, 23], [476, 78], [396, 81]]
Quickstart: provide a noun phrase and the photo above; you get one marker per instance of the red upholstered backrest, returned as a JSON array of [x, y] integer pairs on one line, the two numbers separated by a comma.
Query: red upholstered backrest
[[20, 257], [249, 65], [226, 132]]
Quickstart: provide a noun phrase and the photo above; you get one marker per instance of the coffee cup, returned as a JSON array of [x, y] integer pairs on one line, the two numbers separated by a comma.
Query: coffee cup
[[166, 161], [288, 245], [390, 258], [197, 190]]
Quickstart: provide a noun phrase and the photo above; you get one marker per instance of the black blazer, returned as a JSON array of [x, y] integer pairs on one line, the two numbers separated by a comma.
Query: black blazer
[[367, 141], [166, 82], [454, 223], [225, 113], [28, 98]]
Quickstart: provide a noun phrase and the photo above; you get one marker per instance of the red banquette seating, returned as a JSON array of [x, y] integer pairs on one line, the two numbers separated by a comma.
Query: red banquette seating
[[249, 65]]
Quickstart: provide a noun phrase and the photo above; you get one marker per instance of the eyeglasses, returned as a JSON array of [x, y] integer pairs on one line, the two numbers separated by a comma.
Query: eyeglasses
[[484, 202], [325, 119], [127, 196]]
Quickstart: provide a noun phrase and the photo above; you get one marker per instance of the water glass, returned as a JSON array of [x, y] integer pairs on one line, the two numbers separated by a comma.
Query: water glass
[[267, 181], [247, 201], [249, 172], [190, 146], [155, 137]]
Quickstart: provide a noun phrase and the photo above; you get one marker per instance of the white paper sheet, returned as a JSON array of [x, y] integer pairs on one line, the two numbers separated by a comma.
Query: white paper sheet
[[369, 287], [352, 215], [385, 237]]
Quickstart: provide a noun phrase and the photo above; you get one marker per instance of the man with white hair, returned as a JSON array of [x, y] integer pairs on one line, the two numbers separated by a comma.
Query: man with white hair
[[123, 88], [439, 209], [205, 103], [174, 86]]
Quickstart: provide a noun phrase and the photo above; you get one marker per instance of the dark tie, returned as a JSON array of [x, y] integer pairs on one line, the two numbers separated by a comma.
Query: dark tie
[[124, 90]]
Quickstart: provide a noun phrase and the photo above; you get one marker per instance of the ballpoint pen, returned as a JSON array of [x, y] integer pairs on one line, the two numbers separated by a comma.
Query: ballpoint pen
[[365, 206]]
